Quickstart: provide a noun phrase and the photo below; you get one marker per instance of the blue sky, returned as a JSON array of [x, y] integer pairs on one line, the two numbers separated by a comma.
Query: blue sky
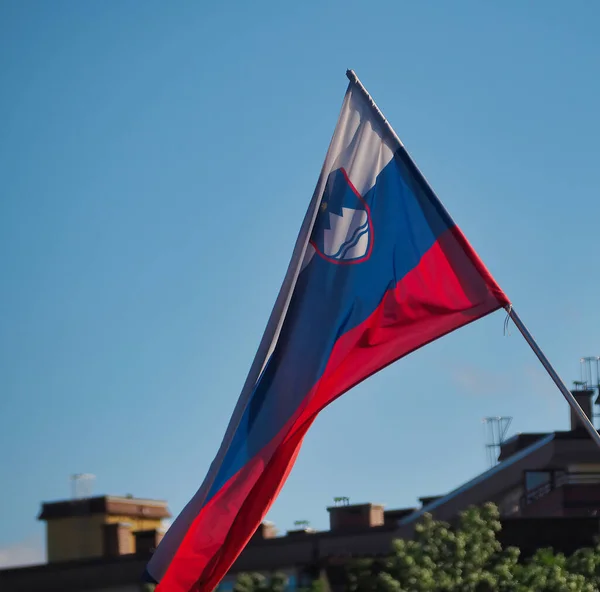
[[156, 160]]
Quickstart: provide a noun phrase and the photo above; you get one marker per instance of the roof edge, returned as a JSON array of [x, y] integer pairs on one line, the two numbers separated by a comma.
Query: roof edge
[[477, 480]]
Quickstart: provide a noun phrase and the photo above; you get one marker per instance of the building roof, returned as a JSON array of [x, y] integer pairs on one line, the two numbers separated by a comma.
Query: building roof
[[521, 441], [486, 485], [106, 504], [324, 549]]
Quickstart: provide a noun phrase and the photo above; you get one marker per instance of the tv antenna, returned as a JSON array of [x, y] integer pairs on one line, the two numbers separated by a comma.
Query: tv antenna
[[590, 379], [82, 485], [495, 434], [590, 373]]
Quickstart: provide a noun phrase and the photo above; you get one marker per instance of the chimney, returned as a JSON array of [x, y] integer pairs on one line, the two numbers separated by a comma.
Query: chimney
[[266, 530], [584, 398], [355, 517], [117, 539], [146, 541]]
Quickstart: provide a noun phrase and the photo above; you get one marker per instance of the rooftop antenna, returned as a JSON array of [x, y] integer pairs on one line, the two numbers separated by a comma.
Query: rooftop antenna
[[590, 372], [590, 377], [82, 485], [495, 434]]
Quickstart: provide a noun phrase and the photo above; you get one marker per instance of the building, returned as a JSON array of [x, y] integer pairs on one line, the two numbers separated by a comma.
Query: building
[[96, 543], [100, 526], [541, 475], [546, 485]]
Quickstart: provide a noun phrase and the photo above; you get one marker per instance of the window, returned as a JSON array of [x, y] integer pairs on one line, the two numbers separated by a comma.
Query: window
[[537, 484]]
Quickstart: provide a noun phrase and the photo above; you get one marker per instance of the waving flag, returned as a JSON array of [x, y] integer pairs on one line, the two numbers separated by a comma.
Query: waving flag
[[379, 270]]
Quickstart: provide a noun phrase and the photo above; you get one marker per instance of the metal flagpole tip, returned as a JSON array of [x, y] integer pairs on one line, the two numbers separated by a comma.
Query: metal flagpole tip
[[351, 75]]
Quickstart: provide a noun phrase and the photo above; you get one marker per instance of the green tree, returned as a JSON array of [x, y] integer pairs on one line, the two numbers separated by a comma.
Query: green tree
[[469, 558], [586, 562], [256, 582], [464, 558]]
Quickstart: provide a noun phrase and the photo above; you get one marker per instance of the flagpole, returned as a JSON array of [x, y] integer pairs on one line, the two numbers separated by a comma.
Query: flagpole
[[562, 387], [353, 78]]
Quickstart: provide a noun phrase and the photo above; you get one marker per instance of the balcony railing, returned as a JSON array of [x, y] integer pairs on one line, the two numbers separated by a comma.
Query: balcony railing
[[576, 478], [558, 479]]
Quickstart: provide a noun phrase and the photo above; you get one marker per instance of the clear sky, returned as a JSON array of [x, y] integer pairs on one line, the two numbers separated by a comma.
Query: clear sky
[[156, 160]]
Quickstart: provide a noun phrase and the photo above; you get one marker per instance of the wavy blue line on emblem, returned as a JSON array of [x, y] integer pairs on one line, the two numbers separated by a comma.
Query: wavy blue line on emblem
[[351, 239], [353, 245]]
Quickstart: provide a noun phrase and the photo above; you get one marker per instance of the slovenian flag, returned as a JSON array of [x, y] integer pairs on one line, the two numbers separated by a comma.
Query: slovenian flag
[[379, 270]]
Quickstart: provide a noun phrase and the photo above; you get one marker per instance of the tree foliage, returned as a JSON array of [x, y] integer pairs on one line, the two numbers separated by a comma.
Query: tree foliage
[[466, 558], [469, 558]]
